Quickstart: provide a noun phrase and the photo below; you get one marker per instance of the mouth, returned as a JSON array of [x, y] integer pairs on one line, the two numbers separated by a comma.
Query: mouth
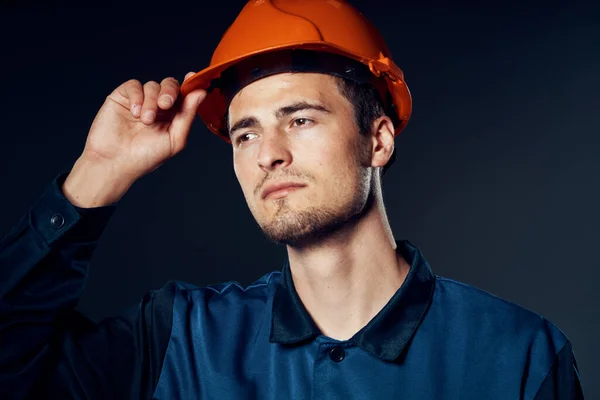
[[280, 190], [279, 193]]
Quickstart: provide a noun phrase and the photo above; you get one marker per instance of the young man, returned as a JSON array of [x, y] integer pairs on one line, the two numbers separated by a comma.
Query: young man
[[311, 103]]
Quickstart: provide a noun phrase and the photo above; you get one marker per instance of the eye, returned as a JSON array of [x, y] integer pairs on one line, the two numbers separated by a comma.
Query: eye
[[302, 122], [241, 138]]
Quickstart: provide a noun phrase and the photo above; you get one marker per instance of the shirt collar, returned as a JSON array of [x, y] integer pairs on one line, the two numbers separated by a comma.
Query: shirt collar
[[386, 335]]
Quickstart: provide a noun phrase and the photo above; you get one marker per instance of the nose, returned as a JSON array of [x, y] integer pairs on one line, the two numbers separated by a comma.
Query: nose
[[273, 152]]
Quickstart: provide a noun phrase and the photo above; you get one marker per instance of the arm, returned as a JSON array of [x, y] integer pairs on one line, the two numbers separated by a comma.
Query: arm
[[563, 381], [47, 348]]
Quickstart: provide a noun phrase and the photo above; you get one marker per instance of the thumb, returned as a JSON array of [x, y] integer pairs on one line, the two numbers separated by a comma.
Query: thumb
[[182, 122]]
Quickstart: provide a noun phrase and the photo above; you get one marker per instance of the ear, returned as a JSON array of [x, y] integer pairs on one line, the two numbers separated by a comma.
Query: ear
[[382, 135]]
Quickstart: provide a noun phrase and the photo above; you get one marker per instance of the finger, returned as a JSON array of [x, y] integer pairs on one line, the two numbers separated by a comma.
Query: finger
[[132, 90], [180, 127], [149, 107], [169, 89], [191, 73]]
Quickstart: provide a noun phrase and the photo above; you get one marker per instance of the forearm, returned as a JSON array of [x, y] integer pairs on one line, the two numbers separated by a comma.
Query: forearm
[[43, 266]]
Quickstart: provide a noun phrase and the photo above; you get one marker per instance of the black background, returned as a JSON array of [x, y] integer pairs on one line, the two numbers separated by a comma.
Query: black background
[[497, 176]]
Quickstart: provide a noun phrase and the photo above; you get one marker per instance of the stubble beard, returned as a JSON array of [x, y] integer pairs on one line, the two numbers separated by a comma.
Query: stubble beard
[[310, 226], [301, 229]]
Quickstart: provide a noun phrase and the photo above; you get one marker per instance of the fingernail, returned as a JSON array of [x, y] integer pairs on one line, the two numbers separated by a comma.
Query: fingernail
[[135, 110], [167, 100], [149, 115]]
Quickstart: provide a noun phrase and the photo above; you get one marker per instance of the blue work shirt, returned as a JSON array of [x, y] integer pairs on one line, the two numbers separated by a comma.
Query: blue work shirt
[[435, 339]]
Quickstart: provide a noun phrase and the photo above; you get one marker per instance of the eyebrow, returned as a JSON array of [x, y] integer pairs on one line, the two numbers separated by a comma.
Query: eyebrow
[[250, 122]]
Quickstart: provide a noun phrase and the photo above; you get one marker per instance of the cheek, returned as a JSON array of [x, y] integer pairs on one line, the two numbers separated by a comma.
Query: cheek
[[327, 150], [319, 149], [335, 171]]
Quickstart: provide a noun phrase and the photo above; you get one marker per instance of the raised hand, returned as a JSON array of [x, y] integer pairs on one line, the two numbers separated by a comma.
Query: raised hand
[[136, 130]]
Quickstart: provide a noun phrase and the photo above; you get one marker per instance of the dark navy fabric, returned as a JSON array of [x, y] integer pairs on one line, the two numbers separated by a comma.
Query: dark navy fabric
[[435, 339]]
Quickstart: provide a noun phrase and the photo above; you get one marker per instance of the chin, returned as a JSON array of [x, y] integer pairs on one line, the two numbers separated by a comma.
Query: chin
[[305, 227], [302, 223]]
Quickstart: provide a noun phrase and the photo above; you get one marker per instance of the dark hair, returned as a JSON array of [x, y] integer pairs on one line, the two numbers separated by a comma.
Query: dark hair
[[367, 107]]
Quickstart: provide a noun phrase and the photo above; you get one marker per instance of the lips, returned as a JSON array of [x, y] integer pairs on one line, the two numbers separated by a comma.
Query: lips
[[273, 187]]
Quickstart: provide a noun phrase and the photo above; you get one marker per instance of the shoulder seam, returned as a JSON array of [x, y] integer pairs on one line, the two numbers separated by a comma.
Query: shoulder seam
[[173, 288], [490, 294], [227, 285], [567, 342]]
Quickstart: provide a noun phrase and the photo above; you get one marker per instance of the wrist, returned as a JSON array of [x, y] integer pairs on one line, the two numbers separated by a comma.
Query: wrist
[[91, 184]]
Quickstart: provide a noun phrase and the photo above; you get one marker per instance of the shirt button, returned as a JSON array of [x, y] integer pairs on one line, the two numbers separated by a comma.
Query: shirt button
[[57, 221], [337, 354]]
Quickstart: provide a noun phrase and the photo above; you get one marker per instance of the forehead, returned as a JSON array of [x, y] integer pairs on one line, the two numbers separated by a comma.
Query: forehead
[[277, 89]]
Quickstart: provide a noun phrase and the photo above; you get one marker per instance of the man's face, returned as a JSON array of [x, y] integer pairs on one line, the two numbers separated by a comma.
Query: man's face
[[299, 128]]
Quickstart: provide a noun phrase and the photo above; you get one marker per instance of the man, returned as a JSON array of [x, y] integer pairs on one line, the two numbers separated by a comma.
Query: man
[[308, 97]]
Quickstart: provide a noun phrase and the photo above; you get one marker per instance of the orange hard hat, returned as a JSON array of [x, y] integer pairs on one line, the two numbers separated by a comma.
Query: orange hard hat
[[265, 29]]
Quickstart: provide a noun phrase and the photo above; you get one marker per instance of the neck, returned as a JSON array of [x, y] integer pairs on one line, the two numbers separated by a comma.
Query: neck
[[347, 278]]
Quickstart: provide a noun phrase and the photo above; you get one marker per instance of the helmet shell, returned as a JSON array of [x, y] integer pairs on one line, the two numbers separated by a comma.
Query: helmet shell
[[332, 26]]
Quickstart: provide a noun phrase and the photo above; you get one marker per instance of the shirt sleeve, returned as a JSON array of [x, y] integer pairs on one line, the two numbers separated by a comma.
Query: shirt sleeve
[[48, 349], [563, 381]]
